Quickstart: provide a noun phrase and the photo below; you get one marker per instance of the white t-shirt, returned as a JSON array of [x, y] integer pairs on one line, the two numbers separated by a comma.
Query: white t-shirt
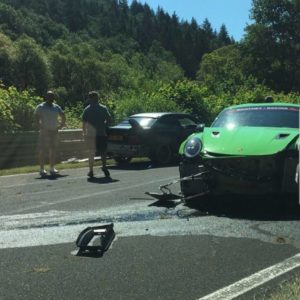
[[48, 115]]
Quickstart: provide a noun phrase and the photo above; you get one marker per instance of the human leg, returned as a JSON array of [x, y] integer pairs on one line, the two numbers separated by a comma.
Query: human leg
[[91, 145], [42, 146], [53, 142], [102, 149]]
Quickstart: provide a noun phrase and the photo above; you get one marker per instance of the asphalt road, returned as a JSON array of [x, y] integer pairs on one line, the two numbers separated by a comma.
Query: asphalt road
[[160, 251]]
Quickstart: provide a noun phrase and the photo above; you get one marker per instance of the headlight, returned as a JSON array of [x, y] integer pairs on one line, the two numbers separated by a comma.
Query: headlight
[[192, 147]]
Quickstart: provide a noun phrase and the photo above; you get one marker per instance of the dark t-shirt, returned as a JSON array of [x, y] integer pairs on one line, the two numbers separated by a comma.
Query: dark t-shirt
[[96, 116]]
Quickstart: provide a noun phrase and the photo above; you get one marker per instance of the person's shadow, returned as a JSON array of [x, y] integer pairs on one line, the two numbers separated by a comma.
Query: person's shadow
[[101, 180], [51, 177]]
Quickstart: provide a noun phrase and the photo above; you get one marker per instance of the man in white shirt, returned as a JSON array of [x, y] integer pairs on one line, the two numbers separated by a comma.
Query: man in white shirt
[[47, 116]]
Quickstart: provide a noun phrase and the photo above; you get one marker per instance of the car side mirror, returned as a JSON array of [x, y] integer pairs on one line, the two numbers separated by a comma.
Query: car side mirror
[[200, 127]]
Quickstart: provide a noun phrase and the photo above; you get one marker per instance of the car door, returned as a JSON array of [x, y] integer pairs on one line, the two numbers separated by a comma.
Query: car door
[[167, 131]]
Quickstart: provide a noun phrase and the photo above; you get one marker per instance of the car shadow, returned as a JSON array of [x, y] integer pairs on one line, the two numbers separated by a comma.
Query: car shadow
[[266, 208], [102, 180]]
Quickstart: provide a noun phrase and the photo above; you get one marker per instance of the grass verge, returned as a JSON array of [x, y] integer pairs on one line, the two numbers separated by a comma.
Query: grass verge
[[288, 290], [60, 166]]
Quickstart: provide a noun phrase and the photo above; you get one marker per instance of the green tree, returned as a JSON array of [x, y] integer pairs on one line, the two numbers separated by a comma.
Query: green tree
[[77, 68], [223, 69], [223, 37], [31, 69], [6, 59], [272, 43]]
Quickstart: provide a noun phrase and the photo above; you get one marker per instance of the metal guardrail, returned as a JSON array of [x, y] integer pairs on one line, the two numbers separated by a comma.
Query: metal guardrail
[[20, 149]]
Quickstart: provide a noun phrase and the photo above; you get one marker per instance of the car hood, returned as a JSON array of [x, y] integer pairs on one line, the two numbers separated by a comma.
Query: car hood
[[247, 140]]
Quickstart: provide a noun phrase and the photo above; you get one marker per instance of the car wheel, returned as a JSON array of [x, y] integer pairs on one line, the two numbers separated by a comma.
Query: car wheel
[[121, 160], [162, 155]]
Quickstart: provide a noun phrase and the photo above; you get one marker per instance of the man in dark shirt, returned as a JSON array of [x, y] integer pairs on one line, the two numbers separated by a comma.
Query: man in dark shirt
[[95, 119]]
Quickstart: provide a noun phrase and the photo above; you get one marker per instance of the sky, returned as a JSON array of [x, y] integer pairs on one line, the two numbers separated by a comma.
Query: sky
[[233, 13]]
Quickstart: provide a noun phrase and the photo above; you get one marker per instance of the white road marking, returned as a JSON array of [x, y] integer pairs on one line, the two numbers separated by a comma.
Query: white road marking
[[249, 283], [67, 234], [36, 193], [11, 222], [91, 195]]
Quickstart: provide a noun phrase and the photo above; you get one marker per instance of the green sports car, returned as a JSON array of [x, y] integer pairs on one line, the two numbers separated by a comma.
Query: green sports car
[[249, 149]]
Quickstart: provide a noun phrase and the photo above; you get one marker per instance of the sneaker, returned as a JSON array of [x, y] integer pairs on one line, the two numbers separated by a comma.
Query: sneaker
[[53, 172], [106, 172], [90, 174], [43, 173]]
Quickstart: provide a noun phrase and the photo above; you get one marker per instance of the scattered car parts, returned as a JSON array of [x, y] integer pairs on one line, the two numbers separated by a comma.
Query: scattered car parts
[[95, 240], [167, 195]]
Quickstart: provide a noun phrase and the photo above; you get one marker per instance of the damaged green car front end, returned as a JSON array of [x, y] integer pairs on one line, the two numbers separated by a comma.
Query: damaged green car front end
[[249, 149]]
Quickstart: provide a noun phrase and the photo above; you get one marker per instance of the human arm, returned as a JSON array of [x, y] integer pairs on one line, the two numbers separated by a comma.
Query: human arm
[[84, 123], [37, 117], [108, 118], [37, 121], [84, 128], [62, 120]]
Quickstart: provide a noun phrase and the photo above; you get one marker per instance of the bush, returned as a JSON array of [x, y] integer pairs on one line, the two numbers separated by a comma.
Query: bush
[[6, 118], [73, 116], [133, 103], [17, 109]]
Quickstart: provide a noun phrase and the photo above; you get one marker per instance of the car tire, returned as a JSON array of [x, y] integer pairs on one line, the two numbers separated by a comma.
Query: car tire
[[162, 155], [122, 160]]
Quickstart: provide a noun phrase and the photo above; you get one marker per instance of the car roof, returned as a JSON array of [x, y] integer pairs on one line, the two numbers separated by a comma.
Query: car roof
[[157, 115], [264, 104]]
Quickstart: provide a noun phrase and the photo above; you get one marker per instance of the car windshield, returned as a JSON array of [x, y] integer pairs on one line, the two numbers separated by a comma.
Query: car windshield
[[259, 116], [142, 121]]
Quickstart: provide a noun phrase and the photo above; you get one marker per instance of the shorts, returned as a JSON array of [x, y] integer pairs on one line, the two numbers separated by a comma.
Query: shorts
[[98, 144], [48, 139]]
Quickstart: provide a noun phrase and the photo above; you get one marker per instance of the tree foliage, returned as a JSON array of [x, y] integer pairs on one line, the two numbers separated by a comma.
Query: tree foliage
[[141, 60], [31, 66], [223, 69], [46, 21], [272, 43]]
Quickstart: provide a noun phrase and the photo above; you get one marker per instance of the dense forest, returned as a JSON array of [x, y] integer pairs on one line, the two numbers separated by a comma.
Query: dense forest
[[139, 59]]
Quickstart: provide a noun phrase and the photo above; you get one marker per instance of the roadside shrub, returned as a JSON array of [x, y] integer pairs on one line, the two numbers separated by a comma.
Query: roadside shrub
[[189, 96], [6, 118], [133, 103], [73, 116], [289, 98], [17, 109]]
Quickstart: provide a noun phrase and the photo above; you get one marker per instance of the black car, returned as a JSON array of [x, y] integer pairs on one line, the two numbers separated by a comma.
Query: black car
[[153, 135]]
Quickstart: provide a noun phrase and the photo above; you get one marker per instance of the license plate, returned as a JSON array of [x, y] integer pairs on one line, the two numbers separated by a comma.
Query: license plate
[[125, 150], [116, 138]]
